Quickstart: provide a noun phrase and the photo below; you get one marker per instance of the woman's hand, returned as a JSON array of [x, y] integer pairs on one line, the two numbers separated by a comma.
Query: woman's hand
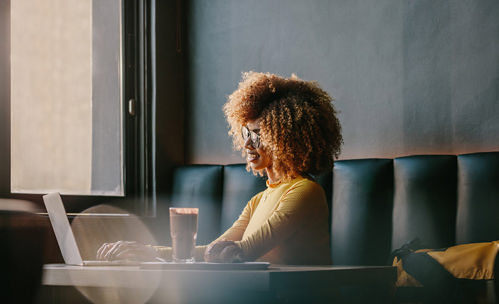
[[126, 250], [223, 251]]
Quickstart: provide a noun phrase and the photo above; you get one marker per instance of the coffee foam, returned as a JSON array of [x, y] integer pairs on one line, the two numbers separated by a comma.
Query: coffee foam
[[184, 210]]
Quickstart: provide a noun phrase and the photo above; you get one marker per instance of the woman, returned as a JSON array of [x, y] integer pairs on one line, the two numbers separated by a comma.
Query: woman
[[287, 130]]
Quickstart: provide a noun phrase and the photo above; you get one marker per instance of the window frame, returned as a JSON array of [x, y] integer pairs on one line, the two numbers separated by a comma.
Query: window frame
[[139, 123]]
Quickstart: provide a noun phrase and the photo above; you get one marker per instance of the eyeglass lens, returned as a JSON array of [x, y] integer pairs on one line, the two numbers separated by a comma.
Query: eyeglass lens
[[254, 137]]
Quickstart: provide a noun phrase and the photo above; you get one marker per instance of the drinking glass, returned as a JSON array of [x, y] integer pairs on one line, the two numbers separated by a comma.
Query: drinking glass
[[183, 229]]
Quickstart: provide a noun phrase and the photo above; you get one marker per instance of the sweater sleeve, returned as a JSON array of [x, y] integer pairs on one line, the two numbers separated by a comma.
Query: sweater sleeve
[[236, 231], [294, 212]]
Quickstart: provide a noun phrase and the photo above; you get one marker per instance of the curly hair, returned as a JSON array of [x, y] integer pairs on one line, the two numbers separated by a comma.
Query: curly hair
[[298, 122]]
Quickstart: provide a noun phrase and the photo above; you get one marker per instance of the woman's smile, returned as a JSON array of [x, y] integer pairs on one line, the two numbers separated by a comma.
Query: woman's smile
[[253, 156]]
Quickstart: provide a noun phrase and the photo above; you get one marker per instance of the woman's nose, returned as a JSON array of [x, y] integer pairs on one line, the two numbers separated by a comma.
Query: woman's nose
[[248, 144]]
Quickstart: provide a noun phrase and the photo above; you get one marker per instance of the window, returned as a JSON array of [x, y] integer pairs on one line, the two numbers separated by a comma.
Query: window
[[82, 98], [66, 97]]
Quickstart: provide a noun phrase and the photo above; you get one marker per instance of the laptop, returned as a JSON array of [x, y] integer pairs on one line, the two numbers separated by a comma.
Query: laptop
[[65, 237], [71, 253]]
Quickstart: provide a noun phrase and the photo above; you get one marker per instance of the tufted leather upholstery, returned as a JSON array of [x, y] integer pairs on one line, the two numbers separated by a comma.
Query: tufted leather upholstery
[[478, 198], [362, 211], [376, 204], [425, 200]]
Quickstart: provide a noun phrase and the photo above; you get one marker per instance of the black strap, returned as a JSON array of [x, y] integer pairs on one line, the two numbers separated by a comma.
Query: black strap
[[406, 249]]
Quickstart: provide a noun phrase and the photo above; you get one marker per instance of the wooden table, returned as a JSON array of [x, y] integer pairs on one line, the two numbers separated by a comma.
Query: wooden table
[[286, 284]]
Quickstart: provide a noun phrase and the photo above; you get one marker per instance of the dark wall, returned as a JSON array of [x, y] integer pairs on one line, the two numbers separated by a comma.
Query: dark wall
[[170, 116], [408, 76]]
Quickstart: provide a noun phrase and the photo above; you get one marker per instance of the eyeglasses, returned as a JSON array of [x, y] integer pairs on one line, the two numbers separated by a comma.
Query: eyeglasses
[[253, 136]]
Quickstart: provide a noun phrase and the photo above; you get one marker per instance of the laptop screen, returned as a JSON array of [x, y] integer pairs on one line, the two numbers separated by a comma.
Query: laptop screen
[[62, 229]]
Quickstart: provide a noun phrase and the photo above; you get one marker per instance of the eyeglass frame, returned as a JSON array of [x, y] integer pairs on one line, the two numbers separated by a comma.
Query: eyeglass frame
[[252, 135]]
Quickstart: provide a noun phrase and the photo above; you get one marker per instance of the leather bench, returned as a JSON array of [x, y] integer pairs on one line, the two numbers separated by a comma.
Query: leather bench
[[376, 205]]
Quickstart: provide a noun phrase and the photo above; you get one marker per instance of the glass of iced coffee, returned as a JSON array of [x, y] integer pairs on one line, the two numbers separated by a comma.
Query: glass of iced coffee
[[183, 229]]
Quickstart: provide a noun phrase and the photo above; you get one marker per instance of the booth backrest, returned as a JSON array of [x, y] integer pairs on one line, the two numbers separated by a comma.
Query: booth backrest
[[376, 205]]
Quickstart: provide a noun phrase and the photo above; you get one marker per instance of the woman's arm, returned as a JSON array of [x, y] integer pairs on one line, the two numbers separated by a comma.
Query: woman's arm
[[223, 249], [236, 231], [127, 249]]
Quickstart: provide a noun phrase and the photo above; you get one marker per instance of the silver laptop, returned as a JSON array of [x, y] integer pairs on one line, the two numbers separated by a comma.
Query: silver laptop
[[65, 236]]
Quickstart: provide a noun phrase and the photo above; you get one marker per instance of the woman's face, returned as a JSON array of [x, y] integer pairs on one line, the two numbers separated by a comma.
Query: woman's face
[[257, 157]]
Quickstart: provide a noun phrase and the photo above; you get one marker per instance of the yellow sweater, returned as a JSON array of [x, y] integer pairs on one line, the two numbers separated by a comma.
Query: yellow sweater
[[285, 224]]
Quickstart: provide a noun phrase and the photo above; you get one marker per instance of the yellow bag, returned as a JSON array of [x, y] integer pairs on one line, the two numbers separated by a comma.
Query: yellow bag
[[441, 271]]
